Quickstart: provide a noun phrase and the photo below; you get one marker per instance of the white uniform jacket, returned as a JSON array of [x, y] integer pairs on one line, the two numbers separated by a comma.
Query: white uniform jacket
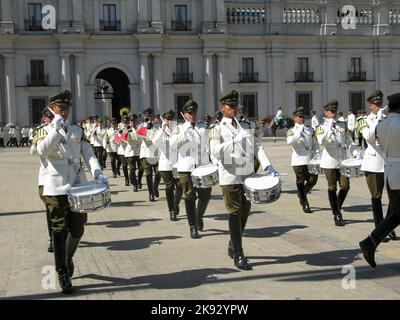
[[304, 144], [373, 156], [109, 140], [133, 146], [235, 161], [351, 122], [148, 150], [121, 143], [98, 134], [193, 148], [63, 152], [334, 141], [314, 122], [388, 133], [168, 155]]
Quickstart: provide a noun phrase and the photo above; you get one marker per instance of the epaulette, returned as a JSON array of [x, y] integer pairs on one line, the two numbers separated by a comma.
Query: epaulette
[[39, 134], [289, 133], [214, 133], [175, 130], [361, 124], [320, 130]]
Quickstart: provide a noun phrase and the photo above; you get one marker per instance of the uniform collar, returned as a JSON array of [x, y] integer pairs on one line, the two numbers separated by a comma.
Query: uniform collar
[[227, 120]]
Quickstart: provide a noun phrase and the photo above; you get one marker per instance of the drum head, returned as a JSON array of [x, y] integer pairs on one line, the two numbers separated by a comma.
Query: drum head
[[352, 162], [261, 182], [315, 161], [88, 188], [205, 170]]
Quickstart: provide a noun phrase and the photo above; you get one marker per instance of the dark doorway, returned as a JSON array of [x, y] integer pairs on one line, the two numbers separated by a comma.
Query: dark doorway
[[120, 84]]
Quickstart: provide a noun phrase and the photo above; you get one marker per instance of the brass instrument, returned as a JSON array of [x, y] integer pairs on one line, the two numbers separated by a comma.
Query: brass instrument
[[124, 111]]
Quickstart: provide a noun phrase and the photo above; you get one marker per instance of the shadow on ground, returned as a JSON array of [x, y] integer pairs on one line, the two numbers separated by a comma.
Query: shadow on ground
[[122, 223]]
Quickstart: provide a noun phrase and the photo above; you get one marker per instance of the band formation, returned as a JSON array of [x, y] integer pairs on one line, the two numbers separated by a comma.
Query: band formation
[[193, 156]]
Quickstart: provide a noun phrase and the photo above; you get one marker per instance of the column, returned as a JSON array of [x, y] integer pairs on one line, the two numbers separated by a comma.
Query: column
[[328, 19], [158, 84], [63, 11], [6, 13], [220, 7], [65, 72], [277, 78], [80, 94], [209, 99], [331, 76], [77, 10], [381, 20], [144, 81], [208, 11], [383, 71], [275, 15], [9, 71], [142, 14], [221, 74], [156, 21]]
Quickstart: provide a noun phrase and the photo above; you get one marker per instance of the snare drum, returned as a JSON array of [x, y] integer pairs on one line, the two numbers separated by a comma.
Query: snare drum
[[260, 188], [89, 196], [205, 176], [351, 168], [314, 166]]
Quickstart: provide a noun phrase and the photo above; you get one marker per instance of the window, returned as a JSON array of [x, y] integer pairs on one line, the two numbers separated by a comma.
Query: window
[[355, 65], [182, 74], [180, 100], [109, 22], [248, 74], [249, 100], [304, 99], [36, 107], [303, 65], [356, 101], [181, 22], [34, 22], [37, 72]]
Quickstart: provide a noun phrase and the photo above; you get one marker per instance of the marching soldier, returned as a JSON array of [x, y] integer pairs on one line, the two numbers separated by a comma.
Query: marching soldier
[[62, 144], [111, 146], [304, 144], [334, 140], [149, 154], [373, 162], [47, 117], [98, 134], [314, 120], [191, 143], [121, 149], [235, 165], [168, 157], [132, 151], [388, 133]]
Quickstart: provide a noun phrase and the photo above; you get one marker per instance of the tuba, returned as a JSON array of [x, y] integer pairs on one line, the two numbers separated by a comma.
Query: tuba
[[124, 111]]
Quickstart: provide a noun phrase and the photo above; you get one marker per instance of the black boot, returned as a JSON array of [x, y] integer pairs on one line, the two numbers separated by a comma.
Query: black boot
[[341, 197], [133, 180], [126, 175], [50, 247], [140, 175], [59, 246], [370, 244], [114, 169], [377, 211], [392, 235], [230, 250], [149, 180], [169, 193], [177, 197], [190, 206], [301, 193], [333, 201], [201, 209], [157, 179], [71, 246], [64, 281], [235, 231]]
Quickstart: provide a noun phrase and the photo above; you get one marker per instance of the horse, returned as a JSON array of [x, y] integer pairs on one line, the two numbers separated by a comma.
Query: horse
[[286, 123]]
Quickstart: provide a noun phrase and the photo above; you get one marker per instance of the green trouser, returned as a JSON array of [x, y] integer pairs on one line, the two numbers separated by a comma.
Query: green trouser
[[375, 182], [122, 161], [63, 221], [189, 194], [239, 209], [148, 170], [304, 182], [98, 151], [113, 159], [132, 162], [47, 211], [333, 176], [173, 190]]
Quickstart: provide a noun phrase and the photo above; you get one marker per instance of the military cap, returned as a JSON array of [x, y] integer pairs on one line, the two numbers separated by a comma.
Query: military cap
[[63, 99], [113, 120], [331, 105], [218, 115], [47, 113], [207, 118], [376, 96], [299, 112], [190, 106], [148, 112], [231, 98], [169, 115], [394, 101]]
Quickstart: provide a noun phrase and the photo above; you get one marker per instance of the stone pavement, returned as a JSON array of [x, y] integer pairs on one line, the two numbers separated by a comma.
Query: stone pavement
[[132, 251]]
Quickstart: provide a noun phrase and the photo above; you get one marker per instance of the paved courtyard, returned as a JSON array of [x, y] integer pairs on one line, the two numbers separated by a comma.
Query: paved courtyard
[[132, 250]]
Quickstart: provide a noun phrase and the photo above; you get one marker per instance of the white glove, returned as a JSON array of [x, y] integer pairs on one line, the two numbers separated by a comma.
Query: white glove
[[243, 134], [355, 153], [272, 170], [103, 179], [381, 113], [164, 126], [58, 119]]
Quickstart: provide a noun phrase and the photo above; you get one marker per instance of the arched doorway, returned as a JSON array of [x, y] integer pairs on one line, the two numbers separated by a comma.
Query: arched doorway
[[120, 87]]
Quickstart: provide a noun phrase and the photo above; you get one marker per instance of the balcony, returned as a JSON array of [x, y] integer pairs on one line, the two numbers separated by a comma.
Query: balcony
[[181, 25], [248, 77], [33, 24], [180, 78], [304, 76], [357, 76], [43, 82], [110, 25]]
